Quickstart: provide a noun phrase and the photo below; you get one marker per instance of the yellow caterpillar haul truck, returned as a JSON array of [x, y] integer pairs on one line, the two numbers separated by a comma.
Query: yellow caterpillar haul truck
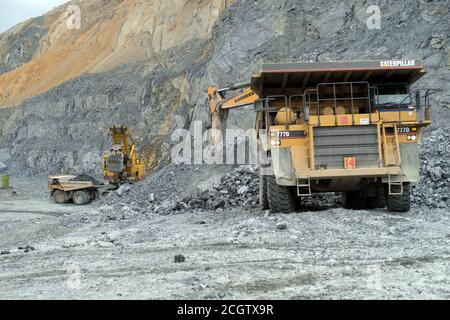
[[351, 127], [121, 162]]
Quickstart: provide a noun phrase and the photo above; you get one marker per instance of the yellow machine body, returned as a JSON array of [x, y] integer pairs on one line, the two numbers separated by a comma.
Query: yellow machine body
[[121, 161]]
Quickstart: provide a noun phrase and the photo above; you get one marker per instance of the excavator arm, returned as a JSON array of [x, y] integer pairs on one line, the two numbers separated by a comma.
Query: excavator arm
[[219, 104]]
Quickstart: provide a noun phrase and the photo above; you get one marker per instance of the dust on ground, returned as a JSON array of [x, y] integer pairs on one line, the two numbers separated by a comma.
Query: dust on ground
[[65, 252]]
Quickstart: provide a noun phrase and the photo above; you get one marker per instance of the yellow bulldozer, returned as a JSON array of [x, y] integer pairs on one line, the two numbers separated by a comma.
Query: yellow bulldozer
[[351, 127], [121, 162]]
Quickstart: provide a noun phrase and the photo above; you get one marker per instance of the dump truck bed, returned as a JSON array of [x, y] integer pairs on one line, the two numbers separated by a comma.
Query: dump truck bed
[[71, 185], [309, 74]]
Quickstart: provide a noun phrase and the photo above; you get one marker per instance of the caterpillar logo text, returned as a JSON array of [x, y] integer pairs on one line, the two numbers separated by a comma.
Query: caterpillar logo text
[[244, 97], [398, 63]]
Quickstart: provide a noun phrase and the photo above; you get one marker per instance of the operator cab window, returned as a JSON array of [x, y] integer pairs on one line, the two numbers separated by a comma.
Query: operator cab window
[[393, 96]]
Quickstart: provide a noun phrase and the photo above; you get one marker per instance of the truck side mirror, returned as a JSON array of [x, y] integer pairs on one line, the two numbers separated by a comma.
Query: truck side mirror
[[418, 101]]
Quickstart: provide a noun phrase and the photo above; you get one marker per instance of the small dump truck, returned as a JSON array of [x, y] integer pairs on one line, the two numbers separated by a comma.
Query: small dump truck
[[79, 189]]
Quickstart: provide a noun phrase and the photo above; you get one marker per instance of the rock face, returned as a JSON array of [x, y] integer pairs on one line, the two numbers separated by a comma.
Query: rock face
[[147, 65], [19, 44], [110, 34]]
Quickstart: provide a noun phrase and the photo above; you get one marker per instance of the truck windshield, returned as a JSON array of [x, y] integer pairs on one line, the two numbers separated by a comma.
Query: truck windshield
[[393, 99]]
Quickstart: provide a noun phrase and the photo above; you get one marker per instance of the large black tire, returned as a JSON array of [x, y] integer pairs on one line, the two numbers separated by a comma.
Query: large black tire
[[92, 195], [81, 197], [60, 197], [398, 203], [263, 197], [281, 199], [353, 200], [377, 201]]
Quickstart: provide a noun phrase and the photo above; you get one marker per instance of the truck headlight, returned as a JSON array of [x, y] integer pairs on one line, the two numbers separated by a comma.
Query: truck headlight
[[275, 142]]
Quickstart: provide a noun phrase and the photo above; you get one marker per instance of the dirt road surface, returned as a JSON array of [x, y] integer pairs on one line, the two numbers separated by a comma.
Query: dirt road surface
[[68, 252]]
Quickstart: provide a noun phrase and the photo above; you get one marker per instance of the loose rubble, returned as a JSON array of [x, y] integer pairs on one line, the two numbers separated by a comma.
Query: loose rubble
[[240, 188], [237, 188], [122, 189], [433, 189]]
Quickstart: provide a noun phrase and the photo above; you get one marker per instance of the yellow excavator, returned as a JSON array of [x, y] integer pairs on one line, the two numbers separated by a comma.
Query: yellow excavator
[[121, 162]]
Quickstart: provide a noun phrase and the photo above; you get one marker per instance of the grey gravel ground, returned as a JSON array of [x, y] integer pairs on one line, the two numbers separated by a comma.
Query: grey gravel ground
[[230, 253]]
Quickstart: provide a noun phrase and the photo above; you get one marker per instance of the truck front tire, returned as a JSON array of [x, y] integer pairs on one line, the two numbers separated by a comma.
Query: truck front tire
[[60, 197], [263, 197], [401, 202], [281, 199]]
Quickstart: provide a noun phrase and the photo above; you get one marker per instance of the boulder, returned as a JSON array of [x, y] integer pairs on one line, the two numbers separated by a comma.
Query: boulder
[[122, 189]]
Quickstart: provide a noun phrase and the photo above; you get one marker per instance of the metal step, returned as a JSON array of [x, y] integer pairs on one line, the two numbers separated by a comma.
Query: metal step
[[304, 186], [395, 183]]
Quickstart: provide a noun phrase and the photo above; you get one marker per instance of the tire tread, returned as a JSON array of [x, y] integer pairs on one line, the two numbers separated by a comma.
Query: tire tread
[[280, 197], [399, 203]]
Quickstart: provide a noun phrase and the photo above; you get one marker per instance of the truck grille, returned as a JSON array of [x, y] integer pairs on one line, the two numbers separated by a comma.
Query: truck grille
[[332, 144]]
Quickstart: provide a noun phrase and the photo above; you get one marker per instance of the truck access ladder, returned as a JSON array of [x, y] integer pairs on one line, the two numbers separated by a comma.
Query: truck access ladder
[[391, 157]]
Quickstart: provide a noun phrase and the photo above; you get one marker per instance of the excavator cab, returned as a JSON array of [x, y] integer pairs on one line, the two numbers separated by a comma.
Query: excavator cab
[[121, 162]]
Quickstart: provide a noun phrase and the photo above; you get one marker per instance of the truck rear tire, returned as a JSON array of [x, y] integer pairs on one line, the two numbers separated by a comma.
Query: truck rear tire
[[353, 200], [399, 203], [281, 199], [81, 197], [60, 197], [377, 201], [263, 197]]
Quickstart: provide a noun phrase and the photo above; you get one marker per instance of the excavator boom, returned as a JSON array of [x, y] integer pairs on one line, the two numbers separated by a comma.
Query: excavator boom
[[244, 98], [219, 104]]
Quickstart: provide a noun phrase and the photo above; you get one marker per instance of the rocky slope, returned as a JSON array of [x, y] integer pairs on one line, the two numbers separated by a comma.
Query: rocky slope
[[147, 64], [111, 33]]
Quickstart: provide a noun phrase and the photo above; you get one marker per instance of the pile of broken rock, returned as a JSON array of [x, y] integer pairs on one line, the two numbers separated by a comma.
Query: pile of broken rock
[[238, 188], [433, 189]]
